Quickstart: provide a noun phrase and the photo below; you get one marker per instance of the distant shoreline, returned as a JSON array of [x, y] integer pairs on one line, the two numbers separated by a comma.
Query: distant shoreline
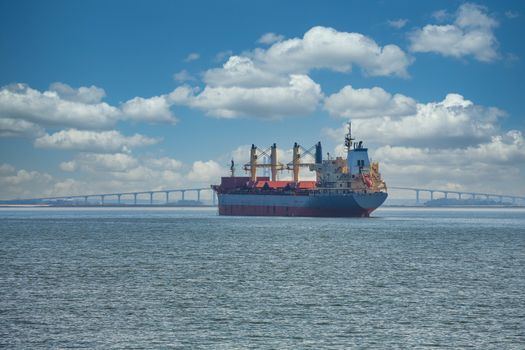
[[25, 206], [105, 206], [454, 206]]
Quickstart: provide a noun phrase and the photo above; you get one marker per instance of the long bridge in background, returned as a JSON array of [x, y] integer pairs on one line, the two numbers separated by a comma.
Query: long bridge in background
[[148, 197], [122, 198], [459, 194]]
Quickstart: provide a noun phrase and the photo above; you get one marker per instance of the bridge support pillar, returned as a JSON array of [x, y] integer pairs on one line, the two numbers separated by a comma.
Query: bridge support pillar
[[417, 196], [431, 195], [118, 198], [151, 198], [183, 192], [198, 195], [214, 196], [85, 200], [102, 199], [446, 195], [459, 195], [134, 198], [167, 197]]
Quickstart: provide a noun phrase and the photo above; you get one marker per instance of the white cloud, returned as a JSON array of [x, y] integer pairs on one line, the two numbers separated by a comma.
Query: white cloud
[[270, 38], [138, 174], [398, 23], [473, 168], [451, 144], [221, 56], [47, 108], [506, 149], [19, 128], [323, 47], [512, 14], [272, 82], [153, 109], [87, 95], [111, 173], [6, 169], [93, 141], [164, 163], [91, 173], [241, 71], [70, 187], [208, 171], [123, 172], [68, 166], [240, 155], [453, 122], [301, 96], [96, 162], [441, 15], [192, 57], [183, 76], [368, 103], [25, 111], [23, 176], [470, 34], [21, 183], [104, 182]]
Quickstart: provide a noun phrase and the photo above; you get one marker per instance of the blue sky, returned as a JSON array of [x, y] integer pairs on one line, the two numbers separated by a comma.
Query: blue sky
[[128, 95]]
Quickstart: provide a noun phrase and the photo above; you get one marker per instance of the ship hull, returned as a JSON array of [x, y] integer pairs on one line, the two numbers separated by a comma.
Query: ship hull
[[328, 205]]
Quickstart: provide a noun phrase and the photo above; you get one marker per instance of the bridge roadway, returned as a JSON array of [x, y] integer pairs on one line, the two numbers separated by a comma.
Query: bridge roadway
[[118, 195], [460, 194]]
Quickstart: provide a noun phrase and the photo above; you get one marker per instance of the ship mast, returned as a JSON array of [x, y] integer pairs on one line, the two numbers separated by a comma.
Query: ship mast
[[232, 168], [348, 138]]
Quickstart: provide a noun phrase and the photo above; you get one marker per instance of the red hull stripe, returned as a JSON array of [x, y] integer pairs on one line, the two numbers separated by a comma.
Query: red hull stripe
[[264, 210]]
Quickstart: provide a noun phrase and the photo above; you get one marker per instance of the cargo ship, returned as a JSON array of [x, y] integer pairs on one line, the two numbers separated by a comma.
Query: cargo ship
[[350, 187]]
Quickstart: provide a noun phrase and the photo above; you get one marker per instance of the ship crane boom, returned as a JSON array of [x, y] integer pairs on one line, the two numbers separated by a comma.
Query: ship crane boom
[[255, 154]]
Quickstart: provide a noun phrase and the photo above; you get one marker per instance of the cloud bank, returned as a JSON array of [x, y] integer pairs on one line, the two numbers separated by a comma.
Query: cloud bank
[[299, 97], [471, 34], [25, 111], [368, 103], [452, 122], [273, 82], [92, 141], [449, 144], [323, 47]]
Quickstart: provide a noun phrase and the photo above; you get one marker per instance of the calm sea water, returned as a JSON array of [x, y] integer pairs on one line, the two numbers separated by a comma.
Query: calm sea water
[[174, 278]]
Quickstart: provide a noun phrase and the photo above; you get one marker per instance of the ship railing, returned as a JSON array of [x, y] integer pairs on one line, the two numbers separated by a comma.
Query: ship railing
[[325, 191], [321, 191]]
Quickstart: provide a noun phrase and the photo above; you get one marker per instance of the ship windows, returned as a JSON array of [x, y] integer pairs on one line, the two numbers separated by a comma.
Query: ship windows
[[360, 163]]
